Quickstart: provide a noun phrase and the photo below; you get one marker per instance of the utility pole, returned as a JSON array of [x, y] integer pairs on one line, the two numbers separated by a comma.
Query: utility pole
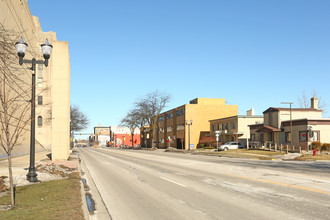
[[290, 103]]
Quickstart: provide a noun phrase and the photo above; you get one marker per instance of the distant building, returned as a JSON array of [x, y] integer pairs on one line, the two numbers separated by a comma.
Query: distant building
[[234, 128], [307, 126], [173, 131], [116, 136]]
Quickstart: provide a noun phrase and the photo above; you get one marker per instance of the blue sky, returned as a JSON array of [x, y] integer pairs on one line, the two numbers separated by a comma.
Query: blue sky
[[253, 53]]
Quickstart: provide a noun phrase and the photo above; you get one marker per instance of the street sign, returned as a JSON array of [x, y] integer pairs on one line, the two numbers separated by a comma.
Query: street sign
[[217, 132], [217, 138]]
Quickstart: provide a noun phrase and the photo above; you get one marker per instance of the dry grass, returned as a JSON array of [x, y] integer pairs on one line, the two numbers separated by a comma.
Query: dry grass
[[317, 157], [242, 153], [57, 199]]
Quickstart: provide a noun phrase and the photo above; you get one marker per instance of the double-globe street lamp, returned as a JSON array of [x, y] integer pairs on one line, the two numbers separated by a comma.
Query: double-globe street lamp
[[191, 121], [46, 50]]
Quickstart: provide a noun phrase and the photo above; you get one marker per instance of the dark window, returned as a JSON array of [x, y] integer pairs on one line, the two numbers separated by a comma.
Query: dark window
[[270, 136], [302, 136], [39, 121], [213, 128], [180, 112], [39, 100], [169, 115], [287, 136], [161, 118]]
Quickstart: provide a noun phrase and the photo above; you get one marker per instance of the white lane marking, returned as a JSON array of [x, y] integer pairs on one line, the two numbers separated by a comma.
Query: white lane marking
[[172, 181]]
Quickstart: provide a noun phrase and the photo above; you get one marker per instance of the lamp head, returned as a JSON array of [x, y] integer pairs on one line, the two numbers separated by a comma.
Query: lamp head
[[21, 47], [46, 50]]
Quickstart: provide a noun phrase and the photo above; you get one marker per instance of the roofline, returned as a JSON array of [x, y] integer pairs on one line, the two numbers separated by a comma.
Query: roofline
[[309, 119], [292, 109], [239, 116]]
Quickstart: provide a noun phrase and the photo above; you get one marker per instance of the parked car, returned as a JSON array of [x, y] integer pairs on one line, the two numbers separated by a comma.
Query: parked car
[[230, 146]]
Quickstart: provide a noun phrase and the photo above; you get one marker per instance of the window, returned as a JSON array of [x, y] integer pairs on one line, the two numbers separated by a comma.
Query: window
[[39, 121], [40, 66], [316, 136], [180, 112], [169, 115], [287, 137], [232, 125], [161, 118], [40, 79], [39, 100], [270, 136], [213, 128], [252, 137], [302, 136], [218, 127], [169, 128], [179, 127]]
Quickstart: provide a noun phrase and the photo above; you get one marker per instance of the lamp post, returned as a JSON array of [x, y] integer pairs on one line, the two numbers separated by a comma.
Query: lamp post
[[191, 121], [46, 50]]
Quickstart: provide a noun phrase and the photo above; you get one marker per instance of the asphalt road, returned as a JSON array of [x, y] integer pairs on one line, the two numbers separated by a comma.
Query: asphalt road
[[159, 185]]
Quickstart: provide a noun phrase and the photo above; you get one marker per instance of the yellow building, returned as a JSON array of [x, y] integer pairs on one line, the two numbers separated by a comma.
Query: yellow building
[[53, 82], [183, 125]]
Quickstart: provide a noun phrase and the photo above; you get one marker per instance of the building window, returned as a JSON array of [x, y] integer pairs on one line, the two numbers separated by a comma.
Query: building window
[[180, 112], [40, 79], [169, 115], [39, 121], [287, 137], [270, 136], [316, 136], [232, 125], [218, 127], [302, 136], [213, 127], [39, 100], [40, 66], [161, 118], [179, 127], [252, 137]]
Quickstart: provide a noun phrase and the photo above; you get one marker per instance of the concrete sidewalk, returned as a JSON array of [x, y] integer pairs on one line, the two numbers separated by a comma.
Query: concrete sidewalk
[[19, 164], [20, 167]]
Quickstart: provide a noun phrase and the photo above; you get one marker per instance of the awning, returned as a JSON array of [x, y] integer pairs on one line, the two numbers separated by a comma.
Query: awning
[[268, 129]]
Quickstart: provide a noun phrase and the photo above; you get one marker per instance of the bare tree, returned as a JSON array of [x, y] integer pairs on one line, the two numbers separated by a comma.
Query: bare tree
[[149, 108], [79, 120], [131, 121], [304, 101], [14, 96]]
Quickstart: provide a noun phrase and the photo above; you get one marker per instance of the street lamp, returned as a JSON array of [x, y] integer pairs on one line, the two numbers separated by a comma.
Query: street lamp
[[189, 132], [46, 50]]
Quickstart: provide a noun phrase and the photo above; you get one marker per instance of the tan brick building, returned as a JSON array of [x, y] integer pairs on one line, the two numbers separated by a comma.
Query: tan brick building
[[52, 82], [172, 129]]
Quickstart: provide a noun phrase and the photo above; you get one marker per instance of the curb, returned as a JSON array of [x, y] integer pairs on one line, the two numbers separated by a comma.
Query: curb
[[101, 211]]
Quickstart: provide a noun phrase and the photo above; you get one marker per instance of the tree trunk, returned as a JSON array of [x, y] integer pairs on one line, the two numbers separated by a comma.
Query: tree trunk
[[11, 181], [132, 139]]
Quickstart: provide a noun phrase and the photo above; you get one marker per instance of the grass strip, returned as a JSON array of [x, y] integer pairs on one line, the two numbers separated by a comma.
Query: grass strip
[[56, 199], [309, 157]]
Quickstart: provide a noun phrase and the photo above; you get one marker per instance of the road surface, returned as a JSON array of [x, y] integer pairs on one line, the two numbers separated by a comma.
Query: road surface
[[160, 185]]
